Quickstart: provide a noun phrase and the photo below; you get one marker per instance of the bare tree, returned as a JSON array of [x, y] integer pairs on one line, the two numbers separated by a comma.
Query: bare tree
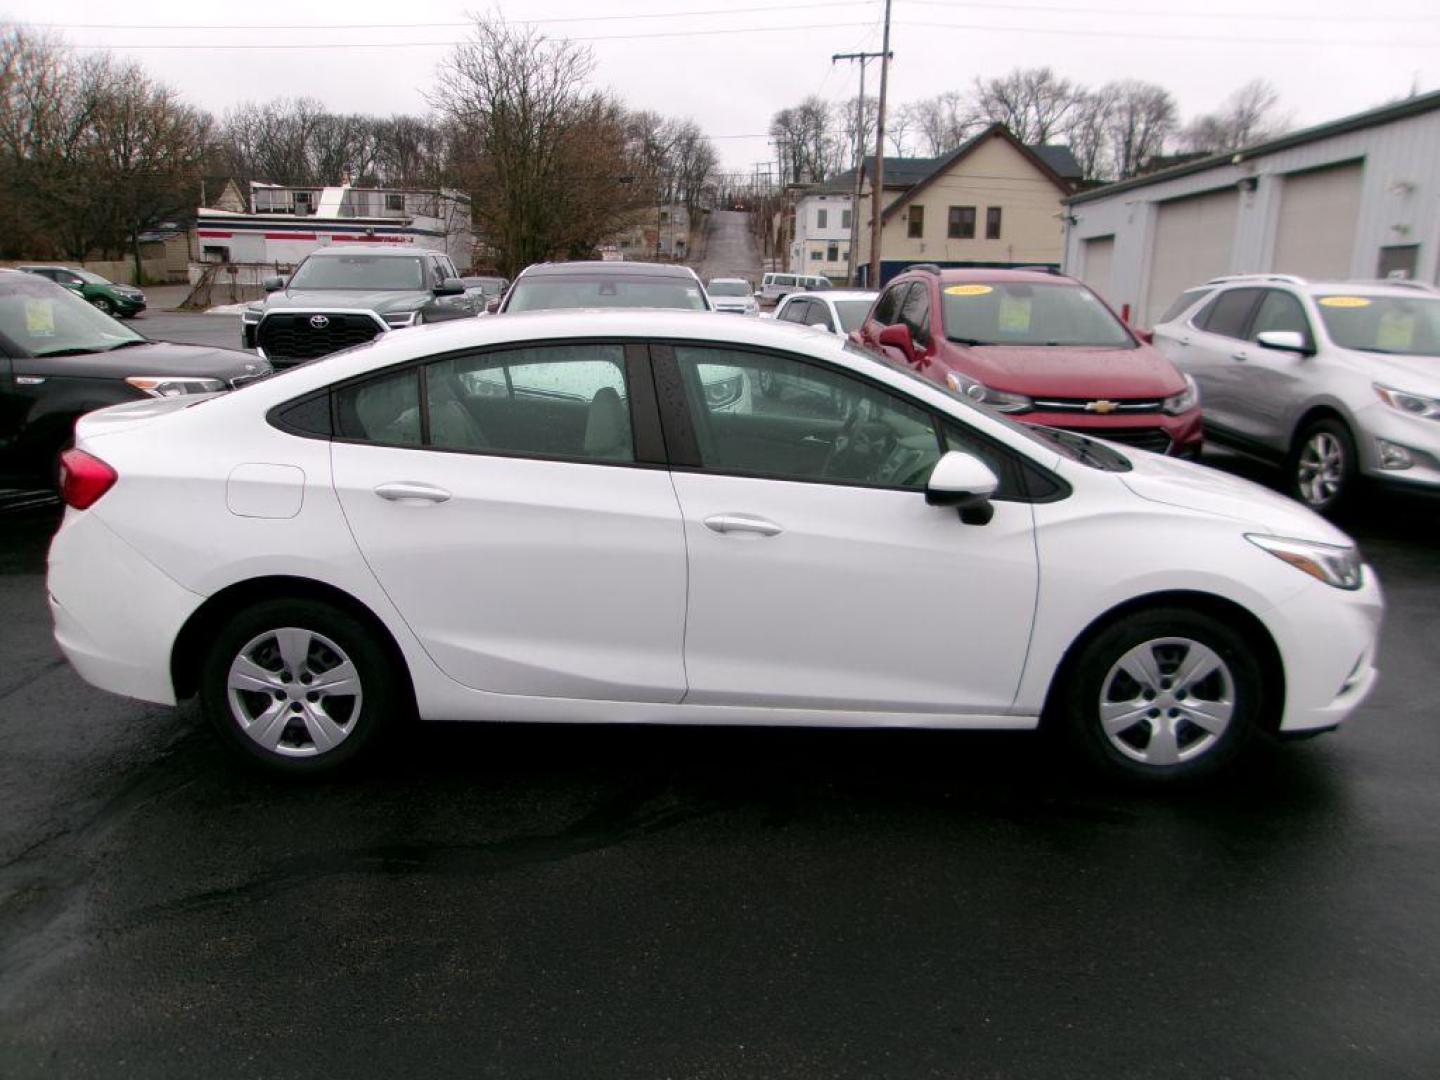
[[1248, 116], [806, 143], [1034, 103], [850, 115], [899, 126], [1088, 134], [548, 173], [944, 122], [1141, 120]]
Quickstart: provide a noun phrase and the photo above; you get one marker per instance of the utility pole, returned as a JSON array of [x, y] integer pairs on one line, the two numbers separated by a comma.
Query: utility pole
[[873, 278], [863, 58]]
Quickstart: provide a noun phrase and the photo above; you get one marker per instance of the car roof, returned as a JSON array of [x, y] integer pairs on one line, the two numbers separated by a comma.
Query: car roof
[[995, 275], [737, 280], [612, 268], [374, 249]]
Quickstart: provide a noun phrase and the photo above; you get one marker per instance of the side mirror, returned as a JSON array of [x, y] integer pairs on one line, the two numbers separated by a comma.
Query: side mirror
[[1284, 341], [897, 336], [451, 286], [965, 482], [492, 305], [274, 284]]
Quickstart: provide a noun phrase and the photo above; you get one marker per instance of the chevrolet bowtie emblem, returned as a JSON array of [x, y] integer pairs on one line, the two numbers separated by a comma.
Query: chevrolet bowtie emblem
[[1101, 407]]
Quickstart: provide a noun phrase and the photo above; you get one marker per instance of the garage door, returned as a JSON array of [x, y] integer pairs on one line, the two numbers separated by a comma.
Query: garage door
[[1193, 240], [1319, 211], [1097, 257]]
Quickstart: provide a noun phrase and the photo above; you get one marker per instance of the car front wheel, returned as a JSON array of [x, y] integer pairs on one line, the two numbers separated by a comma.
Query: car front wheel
[[1164, 696], [299, 686], [1322, 466], [104, 305]]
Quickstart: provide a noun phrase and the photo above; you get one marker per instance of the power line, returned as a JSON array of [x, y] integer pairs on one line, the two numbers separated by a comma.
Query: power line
[[684, 14], [274, 46], [1249, 14], [1177, 37]]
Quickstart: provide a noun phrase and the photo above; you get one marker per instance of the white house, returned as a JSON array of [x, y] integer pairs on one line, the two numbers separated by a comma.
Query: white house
[[1357, 197], [821, 243]]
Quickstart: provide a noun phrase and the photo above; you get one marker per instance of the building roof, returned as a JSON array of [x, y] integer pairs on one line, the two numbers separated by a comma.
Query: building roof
[[900, 172], [1385, 114], [995, 131], [1060, 160]]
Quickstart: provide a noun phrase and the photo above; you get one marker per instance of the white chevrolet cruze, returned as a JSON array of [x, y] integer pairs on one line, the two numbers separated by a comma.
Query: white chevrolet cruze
[[564, 517]]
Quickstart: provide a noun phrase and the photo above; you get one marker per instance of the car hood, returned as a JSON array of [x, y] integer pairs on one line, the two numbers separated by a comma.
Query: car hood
[[380, 302], [1072, 372], [1184, 484], [170, 358], [1417, 374]]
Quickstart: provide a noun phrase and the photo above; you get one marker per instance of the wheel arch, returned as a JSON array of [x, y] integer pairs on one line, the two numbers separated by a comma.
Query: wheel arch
[[205, 621], [1228, 611], [1320, 410]]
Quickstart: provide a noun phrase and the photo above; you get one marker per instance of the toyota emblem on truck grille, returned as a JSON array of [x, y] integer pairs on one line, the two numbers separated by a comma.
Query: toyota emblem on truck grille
[[319, 322]]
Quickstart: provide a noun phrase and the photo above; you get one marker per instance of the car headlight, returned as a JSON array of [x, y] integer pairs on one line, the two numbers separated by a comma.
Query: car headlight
[[725, 391], [1406, 402], [1184, 401], [978, 392], [398, 320], [251, 313], [174, 385], [1331, 563]]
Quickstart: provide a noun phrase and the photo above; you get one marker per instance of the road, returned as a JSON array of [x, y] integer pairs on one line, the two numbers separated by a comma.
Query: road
[[730, 248], [194, 329], [628, 902]]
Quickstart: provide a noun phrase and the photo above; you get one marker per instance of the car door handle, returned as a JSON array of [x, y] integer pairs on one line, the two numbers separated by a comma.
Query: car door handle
[[1241, 356], [408, 490], [1183, 340], [742, 523]]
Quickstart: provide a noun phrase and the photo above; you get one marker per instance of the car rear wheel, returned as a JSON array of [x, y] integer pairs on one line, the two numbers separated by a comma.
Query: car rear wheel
[[1163, 696], [1323, 466], [299, 686], [104, 305]]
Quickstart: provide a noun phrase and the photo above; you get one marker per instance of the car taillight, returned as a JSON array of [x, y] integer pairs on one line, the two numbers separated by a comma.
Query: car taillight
[[84, 478]]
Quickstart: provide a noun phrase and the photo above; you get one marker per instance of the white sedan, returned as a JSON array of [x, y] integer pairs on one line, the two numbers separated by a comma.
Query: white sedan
[[556, 517]]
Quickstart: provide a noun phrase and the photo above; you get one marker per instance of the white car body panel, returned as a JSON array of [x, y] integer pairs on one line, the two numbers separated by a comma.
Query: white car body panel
[[855, 615]]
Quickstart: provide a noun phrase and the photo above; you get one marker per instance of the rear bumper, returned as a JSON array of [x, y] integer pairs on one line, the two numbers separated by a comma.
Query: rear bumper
[[116, 615]]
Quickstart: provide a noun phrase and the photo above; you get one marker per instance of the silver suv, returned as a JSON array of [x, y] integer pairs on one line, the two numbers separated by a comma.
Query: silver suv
[[1336, 380]]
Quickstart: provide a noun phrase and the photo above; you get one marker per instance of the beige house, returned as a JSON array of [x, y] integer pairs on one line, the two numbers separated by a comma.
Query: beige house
[[992, 202]]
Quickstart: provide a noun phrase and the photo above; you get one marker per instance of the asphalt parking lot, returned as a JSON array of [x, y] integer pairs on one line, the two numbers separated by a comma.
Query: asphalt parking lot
[[630, 902]]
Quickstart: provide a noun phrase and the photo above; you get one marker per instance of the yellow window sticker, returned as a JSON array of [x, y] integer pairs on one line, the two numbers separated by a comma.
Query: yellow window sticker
[[1014, 315], [968, 290], [39, 318], [1344, 301]]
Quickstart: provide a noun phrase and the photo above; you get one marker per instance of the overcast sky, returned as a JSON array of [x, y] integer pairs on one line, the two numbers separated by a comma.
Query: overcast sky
[[730, 66]]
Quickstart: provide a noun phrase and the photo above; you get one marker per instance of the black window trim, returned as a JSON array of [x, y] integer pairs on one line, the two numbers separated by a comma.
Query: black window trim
[[647, 440], [680, 425], [1309, 331]]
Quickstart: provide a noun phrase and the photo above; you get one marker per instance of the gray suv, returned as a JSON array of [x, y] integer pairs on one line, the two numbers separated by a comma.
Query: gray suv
[[347, 295], [1338, 381]]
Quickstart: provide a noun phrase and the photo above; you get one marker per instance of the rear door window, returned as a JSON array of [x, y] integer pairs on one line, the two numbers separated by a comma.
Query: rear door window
[[1229, 313]]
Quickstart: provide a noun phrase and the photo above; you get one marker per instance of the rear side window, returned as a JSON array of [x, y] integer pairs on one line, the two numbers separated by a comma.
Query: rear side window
[[1228, 314], [1183, 303]]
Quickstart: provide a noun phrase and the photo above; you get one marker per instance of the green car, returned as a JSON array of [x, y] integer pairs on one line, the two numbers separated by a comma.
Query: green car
[[122, 300]]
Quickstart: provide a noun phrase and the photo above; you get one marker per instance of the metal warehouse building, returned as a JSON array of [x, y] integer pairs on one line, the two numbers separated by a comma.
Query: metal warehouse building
[[1355, 198]]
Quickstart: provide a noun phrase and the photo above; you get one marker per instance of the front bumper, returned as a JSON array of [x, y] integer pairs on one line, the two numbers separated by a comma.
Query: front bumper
[[1178, 436], [1417, 436]]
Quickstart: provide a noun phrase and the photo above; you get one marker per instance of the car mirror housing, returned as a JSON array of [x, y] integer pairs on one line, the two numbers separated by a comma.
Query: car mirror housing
[[451, 286], [274, 284], [1284, 341], [963, 481], [897, 336], [492, 305]]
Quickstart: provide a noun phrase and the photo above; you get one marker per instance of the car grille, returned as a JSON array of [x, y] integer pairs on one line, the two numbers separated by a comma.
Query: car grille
[[292, 336], [1100, 406], [1146, 438]]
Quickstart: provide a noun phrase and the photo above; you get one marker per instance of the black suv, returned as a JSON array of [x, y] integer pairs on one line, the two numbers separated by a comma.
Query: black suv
[[61, 358], [347, 295]]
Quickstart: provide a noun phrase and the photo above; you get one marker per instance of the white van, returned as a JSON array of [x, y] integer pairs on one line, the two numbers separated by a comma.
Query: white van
[[775, 286]]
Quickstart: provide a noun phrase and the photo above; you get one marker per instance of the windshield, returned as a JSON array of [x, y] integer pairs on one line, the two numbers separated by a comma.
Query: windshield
[[1405, 325], [1019, 313], [42, 319], [852, 313], [359, 272], [550, 293], [728, 288]]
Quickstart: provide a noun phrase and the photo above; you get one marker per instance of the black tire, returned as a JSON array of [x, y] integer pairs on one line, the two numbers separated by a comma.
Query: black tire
[[1094, 678], [104, 305], [383, 700], [1318, 440]]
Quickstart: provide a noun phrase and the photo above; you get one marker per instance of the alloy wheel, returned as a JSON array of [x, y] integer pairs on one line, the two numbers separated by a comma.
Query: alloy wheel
[[1320, 469], [1167, 701], [294, 692]]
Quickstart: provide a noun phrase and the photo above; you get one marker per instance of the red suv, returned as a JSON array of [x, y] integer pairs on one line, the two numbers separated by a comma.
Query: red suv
[[1039, 346]]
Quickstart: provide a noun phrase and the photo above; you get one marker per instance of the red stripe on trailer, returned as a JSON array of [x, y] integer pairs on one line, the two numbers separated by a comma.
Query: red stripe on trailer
[[213, 235], [288, 236]]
